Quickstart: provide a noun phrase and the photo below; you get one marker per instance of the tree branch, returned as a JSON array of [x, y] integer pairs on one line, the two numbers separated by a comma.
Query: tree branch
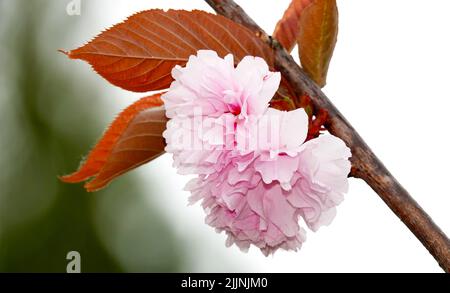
[[365, 164]]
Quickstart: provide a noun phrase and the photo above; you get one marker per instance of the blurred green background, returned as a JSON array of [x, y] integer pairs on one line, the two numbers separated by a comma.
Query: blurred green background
[[45, 108]]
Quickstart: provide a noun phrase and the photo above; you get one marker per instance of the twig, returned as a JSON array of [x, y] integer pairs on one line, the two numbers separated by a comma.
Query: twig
[[365, 164]]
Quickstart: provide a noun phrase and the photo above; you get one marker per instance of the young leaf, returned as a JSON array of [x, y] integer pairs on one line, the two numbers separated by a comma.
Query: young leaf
[[134, 138], [317, 38], [139, 53], [287, 28]]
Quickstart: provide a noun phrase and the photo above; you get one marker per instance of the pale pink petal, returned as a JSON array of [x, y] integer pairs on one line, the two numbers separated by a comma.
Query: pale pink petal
[[258, 84], [283, 132], [281, 169], [279, 211]]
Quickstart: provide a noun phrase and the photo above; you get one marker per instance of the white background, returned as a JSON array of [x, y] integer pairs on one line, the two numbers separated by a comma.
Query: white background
[[390, 78]]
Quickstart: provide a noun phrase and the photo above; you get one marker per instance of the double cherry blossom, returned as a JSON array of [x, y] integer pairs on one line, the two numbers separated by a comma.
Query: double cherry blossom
[[257, 176]]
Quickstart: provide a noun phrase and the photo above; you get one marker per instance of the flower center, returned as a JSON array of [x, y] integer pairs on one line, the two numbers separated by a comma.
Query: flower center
[[235, 110]]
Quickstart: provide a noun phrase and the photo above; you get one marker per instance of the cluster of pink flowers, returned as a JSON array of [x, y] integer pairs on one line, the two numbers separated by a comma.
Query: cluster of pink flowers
[[257, 176]]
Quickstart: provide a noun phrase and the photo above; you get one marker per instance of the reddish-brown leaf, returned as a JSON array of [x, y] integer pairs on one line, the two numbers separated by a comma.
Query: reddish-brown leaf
[[134, 138], [317, 38], [139, 53], [286, 30]]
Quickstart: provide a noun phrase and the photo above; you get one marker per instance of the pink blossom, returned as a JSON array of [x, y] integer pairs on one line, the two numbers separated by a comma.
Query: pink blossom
[[215, 86], [256, 174], [206, 101]]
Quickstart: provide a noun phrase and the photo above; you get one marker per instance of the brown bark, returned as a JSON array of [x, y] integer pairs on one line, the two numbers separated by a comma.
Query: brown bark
[[365, 164]]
